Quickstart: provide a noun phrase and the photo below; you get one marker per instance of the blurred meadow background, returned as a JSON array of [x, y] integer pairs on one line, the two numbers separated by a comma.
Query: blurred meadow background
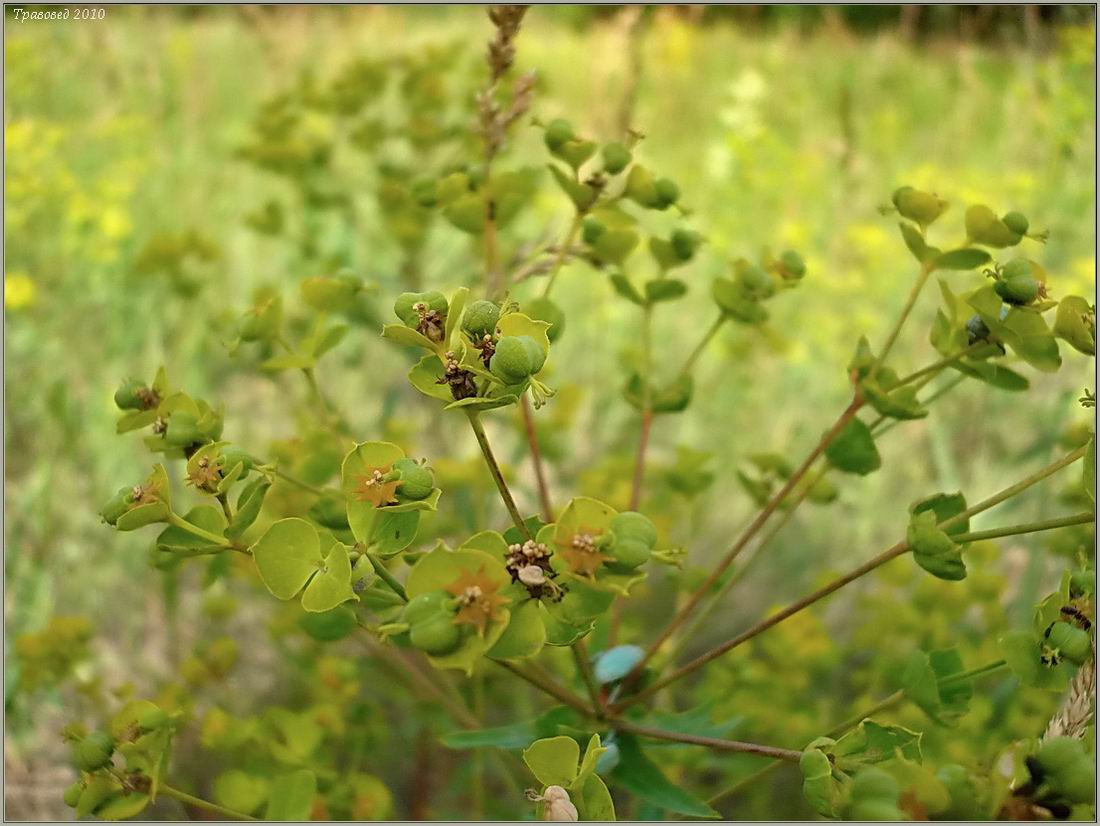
[[135, 236]]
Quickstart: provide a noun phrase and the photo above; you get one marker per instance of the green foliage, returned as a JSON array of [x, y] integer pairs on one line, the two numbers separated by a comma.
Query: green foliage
[[364, 543]]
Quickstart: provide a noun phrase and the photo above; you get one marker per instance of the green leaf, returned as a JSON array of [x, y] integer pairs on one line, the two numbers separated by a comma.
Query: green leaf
[[553, 760], [394, 532], [1075, 323], [424, 376], [872, 742], [329, 626], [240, 791], [593, 801], [895, 404], [358, 465], [515, 736], [291, 361], [1022, 652], [184, 543], [291, 796], [249, 504], [933, 549], [1032, 340], [525, 634], [638, 774], [123, 806], [400, 334], [331, 586], [945, 506], [967, 258], [923, 681], [993, 374], [664, 289], [287, 555], [853, 450], [626, 289], [914, 241], [733, 300], [592, 753]]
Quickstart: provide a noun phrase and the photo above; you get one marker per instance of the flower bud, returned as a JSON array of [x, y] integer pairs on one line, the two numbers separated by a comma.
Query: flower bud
[[94, 751], [667, 192], [407, 308], [616, 158], [131, 395], [558, 805], [1015, 221], [1017, 284], [118, 505], [516, 358], [558, 131]]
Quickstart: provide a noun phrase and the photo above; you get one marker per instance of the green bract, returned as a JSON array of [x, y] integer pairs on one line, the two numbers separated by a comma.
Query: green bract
[[475, 580], [571, 787], [383, 491], [918, 206], [985, 228], [289, 558]]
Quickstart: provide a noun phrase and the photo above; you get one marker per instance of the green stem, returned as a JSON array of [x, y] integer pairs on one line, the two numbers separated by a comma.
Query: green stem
[[890, 553], [387, 577], [689, 364], [910, 302], [973, 673], [183, 524], [286, 477], [494, 471], [198, 802], [563, 250], [942, 364], [1027, 527]]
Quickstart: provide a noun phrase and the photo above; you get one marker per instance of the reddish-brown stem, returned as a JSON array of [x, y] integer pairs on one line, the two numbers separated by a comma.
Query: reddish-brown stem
[[749, 532], [791, 755], [536, 459], [548, 686], [890, 553]]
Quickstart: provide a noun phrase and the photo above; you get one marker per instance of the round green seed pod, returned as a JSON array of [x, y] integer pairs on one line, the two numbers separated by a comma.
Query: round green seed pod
[[685, 243], [72, 794], [233, 455], [118, 505], [630, 552], [94, 751], [416, 480], [667, 192], [591, 230], [874, 810], [758, 283], [543, 309], [1073, 643], [1082, 583], [558, 132], [1060, 753], [874, 784], [1015, 221], [481, 318], [1078, 782], [633, 525], [437, 635], [616, 158], [152, 718], [1017, 284], [516, 358], [425, 605], [792, 264], [129, 395], [404, 306], [182, 430]]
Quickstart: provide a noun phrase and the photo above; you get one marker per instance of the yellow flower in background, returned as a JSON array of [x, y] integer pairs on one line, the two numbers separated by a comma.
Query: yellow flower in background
[[19, 291]]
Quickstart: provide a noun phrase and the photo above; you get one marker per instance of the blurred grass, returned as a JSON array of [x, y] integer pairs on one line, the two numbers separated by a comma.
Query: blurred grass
[[122, 129]]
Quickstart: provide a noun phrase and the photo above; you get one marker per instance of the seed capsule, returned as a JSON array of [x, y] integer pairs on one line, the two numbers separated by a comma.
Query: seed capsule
[[918, 206], [94, 751], [416, 480], [481, 318], [616, 158]]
